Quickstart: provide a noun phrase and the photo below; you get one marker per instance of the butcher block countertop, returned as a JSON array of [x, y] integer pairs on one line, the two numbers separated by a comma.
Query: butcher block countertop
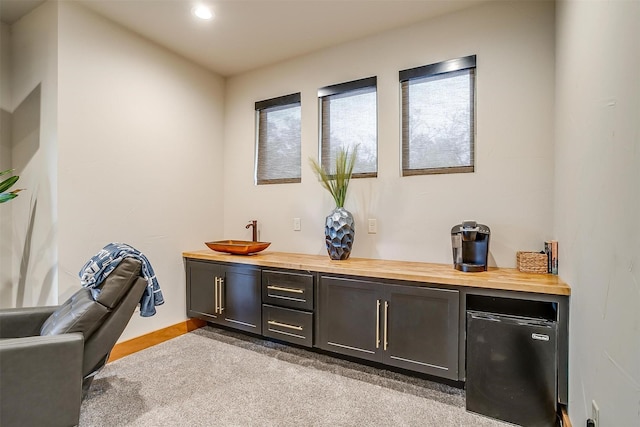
[[508, 279]]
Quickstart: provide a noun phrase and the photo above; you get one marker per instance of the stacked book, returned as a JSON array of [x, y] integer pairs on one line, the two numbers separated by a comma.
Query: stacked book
[[551, 249]]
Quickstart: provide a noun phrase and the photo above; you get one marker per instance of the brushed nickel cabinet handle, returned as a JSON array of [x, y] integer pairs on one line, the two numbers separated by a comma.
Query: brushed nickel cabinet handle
[[280, 288], [377, 323], [215, 295], [284, 325], [221, 294], [386, 321]]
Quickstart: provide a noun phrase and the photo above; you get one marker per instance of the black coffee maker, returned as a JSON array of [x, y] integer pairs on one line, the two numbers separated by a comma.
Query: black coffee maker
[[470, 243]]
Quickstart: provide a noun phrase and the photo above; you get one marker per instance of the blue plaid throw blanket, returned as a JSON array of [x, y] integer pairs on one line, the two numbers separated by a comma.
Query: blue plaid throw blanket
[[104, 262]]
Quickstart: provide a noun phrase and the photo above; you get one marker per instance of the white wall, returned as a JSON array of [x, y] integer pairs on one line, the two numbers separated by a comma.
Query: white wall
[[5, 69], [511, 190], [597, 203], [6, 264], [32, 64], [140, 154]]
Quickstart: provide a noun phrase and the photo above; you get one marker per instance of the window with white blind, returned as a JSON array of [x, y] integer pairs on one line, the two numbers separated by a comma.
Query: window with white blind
[[278, 140], [348, 118], [438, 116]]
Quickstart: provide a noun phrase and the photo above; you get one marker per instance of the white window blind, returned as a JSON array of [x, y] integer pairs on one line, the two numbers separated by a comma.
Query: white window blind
[[278, 155], [438, 117], [348, 118]]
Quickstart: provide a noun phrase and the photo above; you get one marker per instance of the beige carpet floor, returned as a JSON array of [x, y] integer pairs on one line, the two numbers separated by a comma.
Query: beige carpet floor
[[215, 377]]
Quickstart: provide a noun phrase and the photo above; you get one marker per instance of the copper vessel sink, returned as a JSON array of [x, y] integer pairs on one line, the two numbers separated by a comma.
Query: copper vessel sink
[[237, 247]]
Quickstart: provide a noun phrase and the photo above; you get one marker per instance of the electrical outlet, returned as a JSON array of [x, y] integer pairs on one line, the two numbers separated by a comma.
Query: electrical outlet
[[595, 413], [296, 224], [373, 226]]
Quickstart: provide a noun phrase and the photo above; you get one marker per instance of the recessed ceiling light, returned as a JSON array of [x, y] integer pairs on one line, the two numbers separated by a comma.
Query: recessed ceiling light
[[202, 12]]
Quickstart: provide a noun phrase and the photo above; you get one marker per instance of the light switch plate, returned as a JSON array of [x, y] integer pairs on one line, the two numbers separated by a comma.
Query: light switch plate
[[296, 224], [373, 226], [595, 413]]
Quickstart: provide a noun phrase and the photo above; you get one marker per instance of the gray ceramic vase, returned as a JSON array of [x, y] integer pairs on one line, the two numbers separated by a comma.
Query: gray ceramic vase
[[339, 231]]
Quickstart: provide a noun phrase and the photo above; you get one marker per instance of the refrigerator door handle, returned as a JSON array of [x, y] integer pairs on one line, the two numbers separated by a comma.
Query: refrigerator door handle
[[484, 317]]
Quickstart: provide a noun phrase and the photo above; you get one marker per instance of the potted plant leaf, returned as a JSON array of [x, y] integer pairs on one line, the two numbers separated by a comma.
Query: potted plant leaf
[[339, 227], [6, 184]]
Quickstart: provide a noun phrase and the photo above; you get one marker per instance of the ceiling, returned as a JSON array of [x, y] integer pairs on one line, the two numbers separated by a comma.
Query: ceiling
[[248, 34], [12, 10]]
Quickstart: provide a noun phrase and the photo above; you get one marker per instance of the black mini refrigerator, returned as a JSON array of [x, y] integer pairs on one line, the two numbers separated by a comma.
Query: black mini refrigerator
[[512, 368]]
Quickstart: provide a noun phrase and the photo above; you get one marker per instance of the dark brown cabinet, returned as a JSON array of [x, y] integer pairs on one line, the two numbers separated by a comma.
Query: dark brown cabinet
[[415, 325], [288, 302], [407, 326], [349, 317], [422, 326], [225, 294]]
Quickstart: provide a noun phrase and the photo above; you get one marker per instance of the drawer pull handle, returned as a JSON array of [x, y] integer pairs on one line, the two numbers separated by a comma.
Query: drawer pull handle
[[215, 293], [284, 325], [378, 324], [221, 294], [279, 288], [386, 322]]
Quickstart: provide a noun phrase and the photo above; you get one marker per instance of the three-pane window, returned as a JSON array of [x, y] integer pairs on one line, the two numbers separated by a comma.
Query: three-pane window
[[438, 124]]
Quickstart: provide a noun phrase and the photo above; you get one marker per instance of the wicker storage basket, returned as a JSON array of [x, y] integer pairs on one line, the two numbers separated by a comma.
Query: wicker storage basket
[[531, 262]]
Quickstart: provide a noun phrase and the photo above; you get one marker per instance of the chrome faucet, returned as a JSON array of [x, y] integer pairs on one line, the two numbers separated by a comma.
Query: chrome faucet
[[253, 224]]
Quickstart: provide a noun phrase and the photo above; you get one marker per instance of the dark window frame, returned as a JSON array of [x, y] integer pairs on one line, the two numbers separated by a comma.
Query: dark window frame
[[338, 90], [438, 69], [262, 107]]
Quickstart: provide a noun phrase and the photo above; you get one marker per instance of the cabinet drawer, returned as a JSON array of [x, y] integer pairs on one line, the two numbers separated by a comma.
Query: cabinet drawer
[[294, 290], [288, 325]]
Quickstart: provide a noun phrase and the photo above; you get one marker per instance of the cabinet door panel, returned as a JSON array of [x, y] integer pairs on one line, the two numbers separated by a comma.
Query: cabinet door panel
[[200, 290], [422, 330], [349, 320], [241, 299]]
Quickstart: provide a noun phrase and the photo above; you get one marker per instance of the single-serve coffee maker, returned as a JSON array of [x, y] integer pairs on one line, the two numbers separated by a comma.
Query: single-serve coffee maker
[[470, 243]]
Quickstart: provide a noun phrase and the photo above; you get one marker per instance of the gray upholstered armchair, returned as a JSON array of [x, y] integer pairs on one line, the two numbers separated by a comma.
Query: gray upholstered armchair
[[49, 355]]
